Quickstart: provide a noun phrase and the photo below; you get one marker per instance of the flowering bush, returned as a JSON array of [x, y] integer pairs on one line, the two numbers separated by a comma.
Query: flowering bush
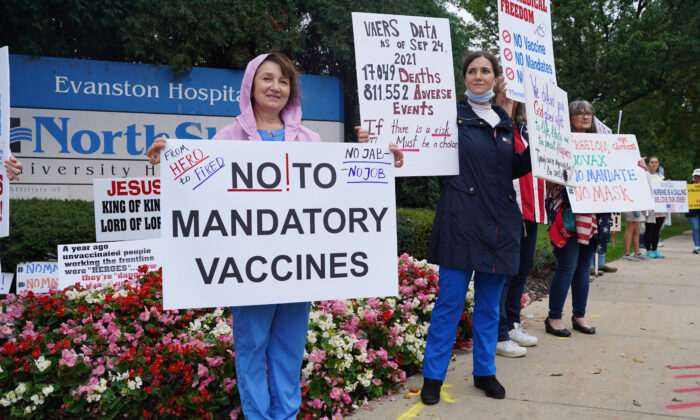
[[115, 352]]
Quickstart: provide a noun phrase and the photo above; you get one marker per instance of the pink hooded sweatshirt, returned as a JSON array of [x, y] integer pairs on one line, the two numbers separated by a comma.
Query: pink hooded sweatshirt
[[245, 128]]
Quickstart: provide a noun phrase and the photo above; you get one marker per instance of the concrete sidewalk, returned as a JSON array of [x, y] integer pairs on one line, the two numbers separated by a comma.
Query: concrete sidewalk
[[643, 362]]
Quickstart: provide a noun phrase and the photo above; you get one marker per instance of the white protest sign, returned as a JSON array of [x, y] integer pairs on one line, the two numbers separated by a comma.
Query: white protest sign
[[600, 127], [670, 196], [525, 39], [37, 277], [4, 140], [608, 178], [96, 265], [126, 209], [268, 222], [405, 84], [547, 109], [6, 282]]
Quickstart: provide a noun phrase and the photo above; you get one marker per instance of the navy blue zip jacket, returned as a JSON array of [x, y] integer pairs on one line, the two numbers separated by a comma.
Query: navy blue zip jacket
[[477, 223]]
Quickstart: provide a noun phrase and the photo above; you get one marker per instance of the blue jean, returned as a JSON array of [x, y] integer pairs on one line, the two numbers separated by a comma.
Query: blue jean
[[573, 269], [695, 223], [515, 285], [269, 342], [453, 284]]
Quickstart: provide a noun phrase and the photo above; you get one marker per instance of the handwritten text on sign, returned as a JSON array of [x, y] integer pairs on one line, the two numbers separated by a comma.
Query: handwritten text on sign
[[670, 196], [607, 176], [127, 208], [37, 277], [525, 35], [276, 223], [4, 140], [405, 82], [547, 109], [100, 264]]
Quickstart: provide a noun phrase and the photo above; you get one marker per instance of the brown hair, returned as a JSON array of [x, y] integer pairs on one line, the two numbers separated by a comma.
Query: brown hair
[[476, 54], [288, 70]]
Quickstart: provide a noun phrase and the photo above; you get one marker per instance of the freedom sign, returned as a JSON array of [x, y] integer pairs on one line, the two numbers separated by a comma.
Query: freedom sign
[[249, 223], [525, 39], [4, 141], [405, 83], [670, 196], [547, 109], [608, 178], [126, 208]]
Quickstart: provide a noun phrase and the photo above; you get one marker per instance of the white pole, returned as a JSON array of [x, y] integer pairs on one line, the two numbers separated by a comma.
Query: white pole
[[619, 120]]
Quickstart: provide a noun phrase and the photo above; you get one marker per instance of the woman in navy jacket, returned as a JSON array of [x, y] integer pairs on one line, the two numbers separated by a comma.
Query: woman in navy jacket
[[476, 230]]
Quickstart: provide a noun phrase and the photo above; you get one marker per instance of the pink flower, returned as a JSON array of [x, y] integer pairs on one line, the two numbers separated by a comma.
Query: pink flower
[[382, 354], [145, 316], [202, 370], [214, 361], [336, 394], [98, 371], [376, 381], [317, 404], [68, 358], [317, 356]]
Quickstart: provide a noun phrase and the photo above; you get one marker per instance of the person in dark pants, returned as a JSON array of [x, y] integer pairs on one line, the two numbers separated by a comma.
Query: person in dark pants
[[476, 231], [655, 221], [512, 339]]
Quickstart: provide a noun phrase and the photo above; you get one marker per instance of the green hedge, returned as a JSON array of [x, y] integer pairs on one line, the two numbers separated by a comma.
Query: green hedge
[[38, 226], [413, 231]]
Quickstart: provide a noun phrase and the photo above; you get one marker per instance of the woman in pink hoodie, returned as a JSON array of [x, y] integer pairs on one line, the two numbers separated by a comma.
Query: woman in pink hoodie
[[269, 340]]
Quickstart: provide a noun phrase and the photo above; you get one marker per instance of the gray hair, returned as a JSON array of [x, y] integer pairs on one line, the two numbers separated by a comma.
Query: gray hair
[[578, 106]]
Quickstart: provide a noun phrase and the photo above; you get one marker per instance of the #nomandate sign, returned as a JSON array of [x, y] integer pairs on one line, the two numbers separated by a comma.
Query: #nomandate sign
[[608, 178], [247, 223], [405, 83]]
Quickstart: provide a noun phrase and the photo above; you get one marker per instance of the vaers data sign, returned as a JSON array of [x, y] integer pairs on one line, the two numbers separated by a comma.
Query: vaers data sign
[[77, 120]]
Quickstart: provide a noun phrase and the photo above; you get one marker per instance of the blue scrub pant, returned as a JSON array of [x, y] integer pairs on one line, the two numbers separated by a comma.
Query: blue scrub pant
[[269, 342], [453, 285]]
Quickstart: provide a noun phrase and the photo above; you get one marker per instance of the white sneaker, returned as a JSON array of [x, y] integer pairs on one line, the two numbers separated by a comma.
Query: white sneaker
[[510, 349], [521, 337], [660, 244]]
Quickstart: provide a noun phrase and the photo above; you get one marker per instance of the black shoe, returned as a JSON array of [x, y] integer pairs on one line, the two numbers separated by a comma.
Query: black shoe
[[491, 386], [559, 333], [579, 327], [430, 393]]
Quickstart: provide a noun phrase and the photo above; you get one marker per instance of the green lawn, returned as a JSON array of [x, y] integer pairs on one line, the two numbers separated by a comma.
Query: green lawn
[[679, 225]]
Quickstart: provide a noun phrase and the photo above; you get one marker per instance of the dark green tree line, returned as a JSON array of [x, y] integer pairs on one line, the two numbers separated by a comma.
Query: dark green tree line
[[638, 57]]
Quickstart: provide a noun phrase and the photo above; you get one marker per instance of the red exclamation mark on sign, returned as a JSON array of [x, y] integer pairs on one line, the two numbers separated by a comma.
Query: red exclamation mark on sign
[[286, 157], [1, 211]]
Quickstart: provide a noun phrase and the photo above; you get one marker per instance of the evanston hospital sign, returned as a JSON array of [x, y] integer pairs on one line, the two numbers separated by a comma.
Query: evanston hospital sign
[[76, 120]]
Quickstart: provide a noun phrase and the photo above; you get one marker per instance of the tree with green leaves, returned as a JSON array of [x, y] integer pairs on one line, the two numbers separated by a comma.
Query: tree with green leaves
[[639, 57]]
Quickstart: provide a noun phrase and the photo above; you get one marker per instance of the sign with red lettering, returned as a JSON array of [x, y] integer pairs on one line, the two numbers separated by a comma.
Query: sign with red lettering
[[126, 208], [406, 89], [37, 277], [547, 109], [97, 265], [525, 39], [4, 140], [252, 222], [608, 178], [670, 196]]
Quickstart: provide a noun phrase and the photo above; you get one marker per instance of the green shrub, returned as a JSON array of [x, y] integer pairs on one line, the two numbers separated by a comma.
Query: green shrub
[[37, 227], [413, 231]]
